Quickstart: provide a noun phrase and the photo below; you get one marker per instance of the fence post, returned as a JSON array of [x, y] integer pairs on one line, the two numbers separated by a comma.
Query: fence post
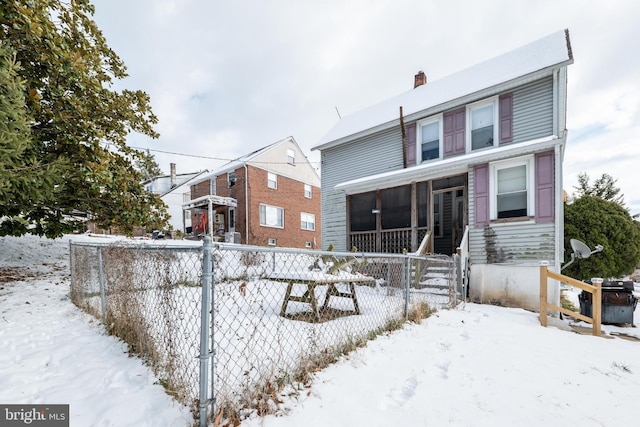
[[543, 295], [596, 306], [457, 276], [407, 280], [103, 296], [72, 266], [212, 327], [204, 329]]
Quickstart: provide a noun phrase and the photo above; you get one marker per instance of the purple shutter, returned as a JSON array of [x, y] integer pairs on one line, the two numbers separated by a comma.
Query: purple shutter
[[545, 187], [410, 149], [506, 118], [481, 194], [453, 132]]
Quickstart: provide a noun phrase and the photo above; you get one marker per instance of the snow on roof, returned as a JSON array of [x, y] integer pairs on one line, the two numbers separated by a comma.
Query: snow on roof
[[552, 50], [242, 160]]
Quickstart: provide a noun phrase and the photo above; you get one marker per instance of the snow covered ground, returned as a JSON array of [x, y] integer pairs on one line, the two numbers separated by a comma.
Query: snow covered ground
[[477, 365], [54, 353]]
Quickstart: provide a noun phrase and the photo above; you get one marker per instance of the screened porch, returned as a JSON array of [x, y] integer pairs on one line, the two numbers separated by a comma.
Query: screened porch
[[393, 220]]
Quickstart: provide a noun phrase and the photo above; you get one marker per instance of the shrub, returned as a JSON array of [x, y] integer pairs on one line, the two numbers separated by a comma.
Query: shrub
[[594, 221]]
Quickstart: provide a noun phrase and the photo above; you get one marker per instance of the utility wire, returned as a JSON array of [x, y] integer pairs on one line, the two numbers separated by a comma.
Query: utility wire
[[211, 157]]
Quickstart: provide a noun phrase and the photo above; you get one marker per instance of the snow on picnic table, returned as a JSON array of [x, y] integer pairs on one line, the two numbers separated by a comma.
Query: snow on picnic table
[[476, 365]]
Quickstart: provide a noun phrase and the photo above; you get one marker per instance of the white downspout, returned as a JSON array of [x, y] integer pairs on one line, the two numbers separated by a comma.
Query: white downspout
[[559, 220], [559, 211], [246, 204]]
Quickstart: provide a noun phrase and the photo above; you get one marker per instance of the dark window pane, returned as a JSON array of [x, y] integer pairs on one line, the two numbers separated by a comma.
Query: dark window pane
[[423, 207], [512, 205], [431, 150], [452, 181], [482, 138], [396, 207], [360, 216]]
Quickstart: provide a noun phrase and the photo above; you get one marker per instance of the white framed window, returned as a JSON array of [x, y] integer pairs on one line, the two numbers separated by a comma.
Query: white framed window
[[429, 139], [213, 188], [291, 156], [482, 131], [271, 216], [231, 178], [271, 241], [308, 221], [307, 191], [307, 244], [511, 184], [272, 180]]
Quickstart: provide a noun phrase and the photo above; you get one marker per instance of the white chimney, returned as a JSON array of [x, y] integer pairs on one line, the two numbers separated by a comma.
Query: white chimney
[[173, 174]]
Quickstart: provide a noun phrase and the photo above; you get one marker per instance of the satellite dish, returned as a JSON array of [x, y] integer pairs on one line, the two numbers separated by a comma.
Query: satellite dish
[[581, 250]]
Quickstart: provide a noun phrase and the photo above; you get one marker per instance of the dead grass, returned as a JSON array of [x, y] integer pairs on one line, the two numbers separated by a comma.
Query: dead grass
[[566, 303], [420, 311]]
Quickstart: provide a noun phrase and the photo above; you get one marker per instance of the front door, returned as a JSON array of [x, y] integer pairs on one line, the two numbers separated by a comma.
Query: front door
[[232, 220], [448, 213]]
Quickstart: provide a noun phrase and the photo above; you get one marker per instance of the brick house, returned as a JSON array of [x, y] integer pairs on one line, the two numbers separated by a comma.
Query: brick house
[[270, 197]]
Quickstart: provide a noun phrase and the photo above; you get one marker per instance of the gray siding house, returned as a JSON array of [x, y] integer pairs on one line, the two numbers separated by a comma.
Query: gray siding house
[[474, 158]]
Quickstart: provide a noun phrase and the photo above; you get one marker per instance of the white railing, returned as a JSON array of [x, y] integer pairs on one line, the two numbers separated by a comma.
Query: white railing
[[462, 253]]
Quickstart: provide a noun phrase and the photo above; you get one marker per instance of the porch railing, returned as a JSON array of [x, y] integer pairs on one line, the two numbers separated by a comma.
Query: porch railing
[[596, 297], [395, 241]]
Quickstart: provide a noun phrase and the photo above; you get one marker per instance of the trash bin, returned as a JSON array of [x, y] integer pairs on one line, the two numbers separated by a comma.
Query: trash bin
[[618, 302]]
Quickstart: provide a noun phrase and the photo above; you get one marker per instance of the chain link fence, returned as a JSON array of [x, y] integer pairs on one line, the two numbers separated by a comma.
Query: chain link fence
[[225, 327]]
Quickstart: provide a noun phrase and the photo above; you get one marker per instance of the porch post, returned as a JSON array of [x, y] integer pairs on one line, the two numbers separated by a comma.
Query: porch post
[[414, 216], [379, 222]]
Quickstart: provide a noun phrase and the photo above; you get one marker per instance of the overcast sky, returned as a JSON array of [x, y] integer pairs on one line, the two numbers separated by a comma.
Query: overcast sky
[[228, 77]]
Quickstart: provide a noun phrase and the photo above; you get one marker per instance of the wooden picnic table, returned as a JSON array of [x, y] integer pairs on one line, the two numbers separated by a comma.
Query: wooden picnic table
[[311, 281]]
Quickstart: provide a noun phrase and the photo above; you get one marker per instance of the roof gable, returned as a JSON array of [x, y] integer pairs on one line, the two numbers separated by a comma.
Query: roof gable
[[548, 52], [273, 157]]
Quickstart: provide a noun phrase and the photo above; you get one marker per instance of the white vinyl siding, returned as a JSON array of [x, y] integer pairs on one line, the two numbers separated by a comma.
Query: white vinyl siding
[[364, 157]]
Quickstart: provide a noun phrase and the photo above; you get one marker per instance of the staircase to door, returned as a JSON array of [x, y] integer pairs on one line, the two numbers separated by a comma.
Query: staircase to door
[[434, 277]]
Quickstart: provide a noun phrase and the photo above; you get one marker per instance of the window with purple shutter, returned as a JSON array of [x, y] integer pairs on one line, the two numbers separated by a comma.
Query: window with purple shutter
[[481, 194], [545, 187], [506, 118], [453, 129], [410, 148]]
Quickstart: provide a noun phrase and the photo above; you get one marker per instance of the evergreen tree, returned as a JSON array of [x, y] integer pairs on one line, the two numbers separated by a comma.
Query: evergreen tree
[[603, 187], [76, 158], [147, 166], [596, 221]]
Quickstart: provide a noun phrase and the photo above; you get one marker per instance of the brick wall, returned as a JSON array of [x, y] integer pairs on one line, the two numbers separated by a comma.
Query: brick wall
[[289, 195]]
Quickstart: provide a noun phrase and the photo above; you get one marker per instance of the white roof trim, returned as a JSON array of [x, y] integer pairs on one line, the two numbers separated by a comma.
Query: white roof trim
[[204, 201], [244, 160], [447, 167]]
